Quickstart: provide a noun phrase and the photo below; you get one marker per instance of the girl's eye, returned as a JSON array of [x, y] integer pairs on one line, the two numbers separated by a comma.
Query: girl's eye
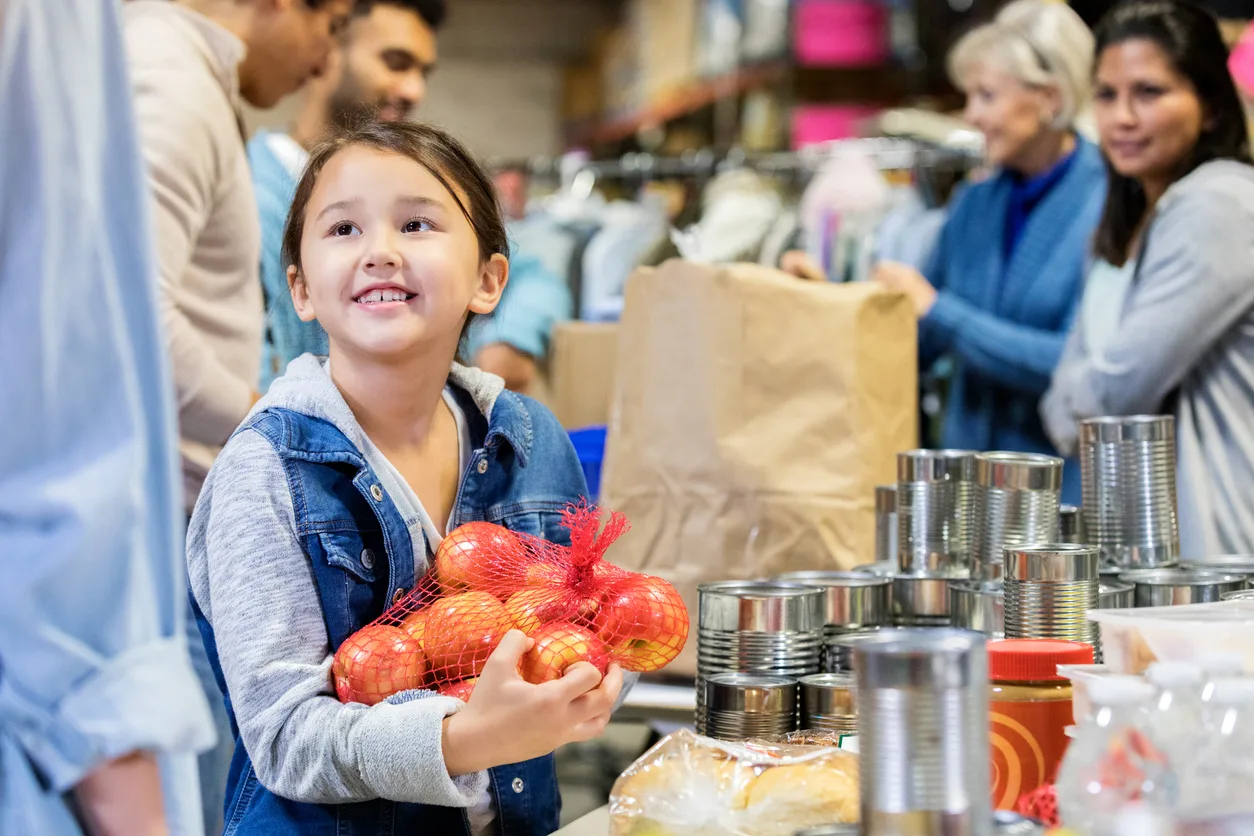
[[417, 225], [343, 228]]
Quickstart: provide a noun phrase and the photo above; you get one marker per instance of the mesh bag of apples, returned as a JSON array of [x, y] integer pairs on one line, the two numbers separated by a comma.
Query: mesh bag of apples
[[487, 580]]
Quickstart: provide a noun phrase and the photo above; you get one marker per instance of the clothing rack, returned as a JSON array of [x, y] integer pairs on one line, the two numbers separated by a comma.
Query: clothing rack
[[890, 154]]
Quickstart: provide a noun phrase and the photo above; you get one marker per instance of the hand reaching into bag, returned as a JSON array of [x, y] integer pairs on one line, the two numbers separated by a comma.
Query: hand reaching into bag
[[508, 720]]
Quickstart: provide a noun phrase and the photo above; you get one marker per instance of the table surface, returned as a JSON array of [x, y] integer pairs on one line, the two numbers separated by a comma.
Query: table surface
[[596, 823]]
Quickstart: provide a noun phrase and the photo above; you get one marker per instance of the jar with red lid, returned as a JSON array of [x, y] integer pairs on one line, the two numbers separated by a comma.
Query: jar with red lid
[[1029, 712]]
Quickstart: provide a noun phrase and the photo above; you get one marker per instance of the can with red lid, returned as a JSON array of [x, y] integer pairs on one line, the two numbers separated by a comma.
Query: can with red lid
[[1029, 712]]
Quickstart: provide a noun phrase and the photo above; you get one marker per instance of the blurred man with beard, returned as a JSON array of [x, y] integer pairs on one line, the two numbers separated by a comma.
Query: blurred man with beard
[[380, 71]]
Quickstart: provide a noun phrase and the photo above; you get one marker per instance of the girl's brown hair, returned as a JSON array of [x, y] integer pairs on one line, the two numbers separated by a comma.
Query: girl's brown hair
[[433, 149]]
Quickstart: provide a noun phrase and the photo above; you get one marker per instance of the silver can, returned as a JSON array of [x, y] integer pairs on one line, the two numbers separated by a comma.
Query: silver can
[[1071, 525], [980, 606], [829, 702], [1115, 595], [838, 650], [1049, 592], [1016, 502], [934, 510], [881, 569], [1174, 587], [1128, 475], [921, 600], [741, 705], [1231, 564], [886, 524], [851, 600], [924, 685], [1239, 595]]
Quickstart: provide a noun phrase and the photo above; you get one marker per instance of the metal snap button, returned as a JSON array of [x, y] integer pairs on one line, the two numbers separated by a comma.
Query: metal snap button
[[367, 558], [483, 466], [377, 493], [400, 593], [517, 786]]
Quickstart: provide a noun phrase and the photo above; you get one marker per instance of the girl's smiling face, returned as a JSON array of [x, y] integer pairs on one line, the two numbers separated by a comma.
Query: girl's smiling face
[[390, 262]]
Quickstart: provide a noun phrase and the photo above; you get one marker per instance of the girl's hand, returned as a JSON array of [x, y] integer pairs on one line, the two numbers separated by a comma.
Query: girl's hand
[[906, 279], [509, 720]]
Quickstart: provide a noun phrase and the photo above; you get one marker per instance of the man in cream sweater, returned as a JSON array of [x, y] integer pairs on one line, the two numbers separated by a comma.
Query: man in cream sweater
[[192, 63]]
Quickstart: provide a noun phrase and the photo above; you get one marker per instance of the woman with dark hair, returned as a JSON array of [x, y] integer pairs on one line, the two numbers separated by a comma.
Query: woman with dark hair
[[1167, 322]]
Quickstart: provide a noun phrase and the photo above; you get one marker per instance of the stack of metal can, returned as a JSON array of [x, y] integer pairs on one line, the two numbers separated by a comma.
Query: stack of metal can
[[756, 627]]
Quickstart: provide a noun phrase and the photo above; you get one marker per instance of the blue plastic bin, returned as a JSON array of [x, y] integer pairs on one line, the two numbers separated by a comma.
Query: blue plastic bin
[[590, 447]]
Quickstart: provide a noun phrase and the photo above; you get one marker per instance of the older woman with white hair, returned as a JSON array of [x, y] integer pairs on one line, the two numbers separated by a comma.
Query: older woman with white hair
[[1003, 283]]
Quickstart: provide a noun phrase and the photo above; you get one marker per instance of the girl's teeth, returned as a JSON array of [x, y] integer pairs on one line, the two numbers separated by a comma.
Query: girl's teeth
[[388, 295]]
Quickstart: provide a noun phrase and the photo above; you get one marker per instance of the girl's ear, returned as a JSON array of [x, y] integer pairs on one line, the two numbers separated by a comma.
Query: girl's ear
[[492, 280], [300, 294]]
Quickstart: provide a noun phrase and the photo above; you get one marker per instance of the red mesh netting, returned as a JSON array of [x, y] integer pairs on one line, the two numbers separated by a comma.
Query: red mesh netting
[[487, 580], [1040, 804]]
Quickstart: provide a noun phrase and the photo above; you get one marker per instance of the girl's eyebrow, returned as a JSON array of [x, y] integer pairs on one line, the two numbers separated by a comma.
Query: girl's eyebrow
[[338, 206], [418, 200]]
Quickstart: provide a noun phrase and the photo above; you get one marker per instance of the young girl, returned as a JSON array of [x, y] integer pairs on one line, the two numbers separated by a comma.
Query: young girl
[[327, 504]]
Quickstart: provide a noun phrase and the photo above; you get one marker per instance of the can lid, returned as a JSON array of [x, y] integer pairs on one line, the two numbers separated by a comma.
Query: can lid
[[1034, 660]]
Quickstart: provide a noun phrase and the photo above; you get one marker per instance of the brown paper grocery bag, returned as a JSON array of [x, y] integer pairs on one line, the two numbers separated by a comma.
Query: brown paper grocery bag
[[753, 416]]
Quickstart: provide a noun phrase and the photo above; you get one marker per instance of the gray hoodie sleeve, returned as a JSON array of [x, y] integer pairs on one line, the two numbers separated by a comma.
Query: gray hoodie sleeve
[[1193, 284], [254, 583]]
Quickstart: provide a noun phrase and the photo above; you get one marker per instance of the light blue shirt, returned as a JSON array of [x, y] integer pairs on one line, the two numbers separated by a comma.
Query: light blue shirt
[[93, 659]]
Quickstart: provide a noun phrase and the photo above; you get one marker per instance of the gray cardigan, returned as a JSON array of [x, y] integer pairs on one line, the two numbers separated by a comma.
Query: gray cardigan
[[1187, 326]]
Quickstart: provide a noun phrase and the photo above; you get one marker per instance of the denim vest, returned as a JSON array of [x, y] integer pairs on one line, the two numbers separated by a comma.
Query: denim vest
[[522, 473]]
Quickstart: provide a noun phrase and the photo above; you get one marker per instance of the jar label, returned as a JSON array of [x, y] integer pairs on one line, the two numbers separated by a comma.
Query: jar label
[[1028, 740]]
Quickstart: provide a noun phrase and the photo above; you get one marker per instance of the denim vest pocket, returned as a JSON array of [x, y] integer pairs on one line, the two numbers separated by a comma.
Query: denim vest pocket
[[534, 518], [347, 550], [350, 568]]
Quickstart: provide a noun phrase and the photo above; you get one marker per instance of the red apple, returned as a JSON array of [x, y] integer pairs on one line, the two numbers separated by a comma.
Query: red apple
[[530, 609], [546, 573], [479, 556], [461, 632], [557, 647], [461, 690], [644, 623], [376, 662], [416, 625]]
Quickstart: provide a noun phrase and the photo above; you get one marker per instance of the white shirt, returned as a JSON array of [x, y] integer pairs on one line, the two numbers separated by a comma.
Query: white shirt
[[426, 539]]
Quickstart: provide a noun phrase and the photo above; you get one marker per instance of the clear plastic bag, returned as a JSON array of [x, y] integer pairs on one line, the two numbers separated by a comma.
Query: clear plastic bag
[[688, 785]]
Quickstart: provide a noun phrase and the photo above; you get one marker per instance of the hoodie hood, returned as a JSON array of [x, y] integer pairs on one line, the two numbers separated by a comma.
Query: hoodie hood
[[307, 388]]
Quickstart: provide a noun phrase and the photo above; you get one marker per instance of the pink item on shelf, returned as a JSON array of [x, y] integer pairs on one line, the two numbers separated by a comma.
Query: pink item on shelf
[[1241, 63], [819, 123], [840, 33]]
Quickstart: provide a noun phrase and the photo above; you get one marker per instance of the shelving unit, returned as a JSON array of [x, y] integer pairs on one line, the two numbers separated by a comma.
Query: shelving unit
[[680, 103]]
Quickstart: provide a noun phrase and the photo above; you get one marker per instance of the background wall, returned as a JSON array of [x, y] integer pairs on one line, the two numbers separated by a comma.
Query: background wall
[[498, 83]]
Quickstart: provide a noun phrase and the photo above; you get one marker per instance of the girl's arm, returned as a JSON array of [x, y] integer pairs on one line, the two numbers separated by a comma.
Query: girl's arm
[[255, 584], [1196, 280]]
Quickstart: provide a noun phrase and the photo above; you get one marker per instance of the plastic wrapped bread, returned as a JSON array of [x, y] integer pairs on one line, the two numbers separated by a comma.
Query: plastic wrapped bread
[[688, 785]]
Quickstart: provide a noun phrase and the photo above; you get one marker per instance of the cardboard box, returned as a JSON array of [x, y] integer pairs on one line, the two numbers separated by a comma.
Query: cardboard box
[[666, 37], [582, 359]]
